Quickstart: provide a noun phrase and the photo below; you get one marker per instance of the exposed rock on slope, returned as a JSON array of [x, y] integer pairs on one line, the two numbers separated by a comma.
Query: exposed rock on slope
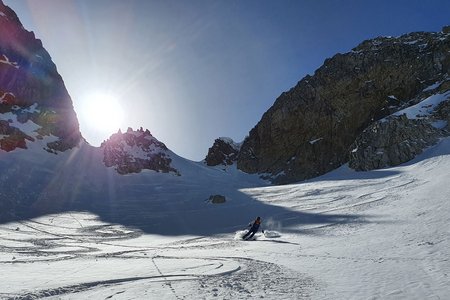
[[309, 130], [399, 138], [34, 102], [391, 142], [224, 151], [442, 110], [133, 151]]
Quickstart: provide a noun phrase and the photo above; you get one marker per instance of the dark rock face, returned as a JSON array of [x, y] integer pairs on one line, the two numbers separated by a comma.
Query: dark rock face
[[224, 151], [133, 151], [392, 142], [29, 77], [309, 130]]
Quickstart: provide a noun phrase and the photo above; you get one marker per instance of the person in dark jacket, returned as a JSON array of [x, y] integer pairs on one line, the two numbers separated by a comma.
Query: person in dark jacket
[[253, 230]]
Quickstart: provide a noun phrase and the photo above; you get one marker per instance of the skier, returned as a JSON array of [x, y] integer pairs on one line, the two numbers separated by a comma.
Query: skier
[[253, 230]]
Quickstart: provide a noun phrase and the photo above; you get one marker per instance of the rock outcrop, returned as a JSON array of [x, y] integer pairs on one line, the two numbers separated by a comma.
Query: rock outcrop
[[14, 137], [310, 129], [442, 111], [391, 142], [32, 93], [402, 136], [217, 199], [134, 151], [224, 152]]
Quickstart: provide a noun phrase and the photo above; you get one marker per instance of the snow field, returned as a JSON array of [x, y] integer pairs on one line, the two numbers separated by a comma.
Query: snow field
[[346, 235]]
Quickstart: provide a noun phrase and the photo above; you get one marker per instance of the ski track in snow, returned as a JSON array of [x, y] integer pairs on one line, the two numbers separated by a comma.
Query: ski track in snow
[[82, 242], [397, 246]]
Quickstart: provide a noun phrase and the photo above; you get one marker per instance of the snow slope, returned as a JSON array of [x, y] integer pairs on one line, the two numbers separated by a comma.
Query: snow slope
[[346, 235]]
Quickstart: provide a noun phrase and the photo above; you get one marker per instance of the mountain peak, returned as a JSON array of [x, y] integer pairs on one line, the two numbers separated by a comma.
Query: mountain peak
[[34, 103], [136, 150], [8, 13]]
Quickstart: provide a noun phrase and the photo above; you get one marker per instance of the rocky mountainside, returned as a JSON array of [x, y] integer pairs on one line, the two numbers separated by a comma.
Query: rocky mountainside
[[34, 103], [310, 129], [134, 151]]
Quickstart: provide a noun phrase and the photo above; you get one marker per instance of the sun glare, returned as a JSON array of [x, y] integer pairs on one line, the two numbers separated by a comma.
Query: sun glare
[[103, 112]]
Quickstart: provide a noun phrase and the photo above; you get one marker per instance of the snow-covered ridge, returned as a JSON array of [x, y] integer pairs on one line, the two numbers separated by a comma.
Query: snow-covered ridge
[[231, 142], [415, 39]]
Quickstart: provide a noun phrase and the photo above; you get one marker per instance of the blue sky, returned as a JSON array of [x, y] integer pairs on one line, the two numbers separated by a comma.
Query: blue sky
[[192, 71]]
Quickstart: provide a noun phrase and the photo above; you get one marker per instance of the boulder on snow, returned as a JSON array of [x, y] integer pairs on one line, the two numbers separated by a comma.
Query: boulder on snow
[[217, 199]]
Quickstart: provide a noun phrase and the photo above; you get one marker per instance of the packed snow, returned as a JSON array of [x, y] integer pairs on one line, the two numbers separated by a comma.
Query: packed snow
[[346, 235], [433, 86]]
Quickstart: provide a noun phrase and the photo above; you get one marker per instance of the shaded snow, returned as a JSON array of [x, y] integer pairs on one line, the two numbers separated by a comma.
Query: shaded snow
[[432, 87]]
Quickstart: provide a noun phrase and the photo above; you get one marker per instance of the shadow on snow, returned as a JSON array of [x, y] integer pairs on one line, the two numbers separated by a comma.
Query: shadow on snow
[[152, 202]]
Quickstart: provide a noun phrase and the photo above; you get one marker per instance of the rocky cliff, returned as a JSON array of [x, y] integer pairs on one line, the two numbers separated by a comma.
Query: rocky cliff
[[311, 128], [34, 103], [134, 151]]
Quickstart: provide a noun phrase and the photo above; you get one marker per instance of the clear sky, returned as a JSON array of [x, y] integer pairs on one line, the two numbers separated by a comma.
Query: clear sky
[[192, 71]]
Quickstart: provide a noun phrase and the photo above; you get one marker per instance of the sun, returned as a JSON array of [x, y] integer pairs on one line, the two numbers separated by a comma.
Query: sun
[[103, 112]]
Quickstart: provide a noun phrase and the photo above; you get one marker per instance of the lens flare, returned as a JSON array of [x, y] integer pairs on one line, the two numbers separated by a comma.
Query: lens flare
[[103, 112]]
